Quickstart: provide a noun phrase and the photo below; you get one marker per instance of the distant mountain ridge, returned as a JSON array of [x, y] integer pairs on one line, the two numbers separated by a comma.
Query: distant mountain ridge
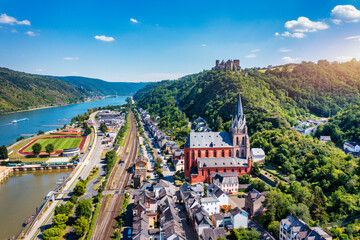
[[23, 91], [101, 87]]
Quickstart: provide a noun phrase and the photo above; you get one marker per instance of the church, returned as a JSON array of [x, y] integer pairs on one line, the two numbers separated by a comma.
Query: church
[[218, 152]]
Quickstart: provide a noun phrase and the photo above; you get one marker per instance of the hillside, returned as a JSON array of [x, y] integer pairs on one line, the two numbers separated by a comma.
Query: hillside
[[101, 87], [324, 181], [19, 91]]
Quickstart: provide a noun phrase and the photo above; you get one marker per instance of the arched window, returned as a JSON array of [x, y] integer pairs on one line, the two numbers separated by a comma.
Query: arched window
[[187, 160], [232, 170], [237, 153], [202, 172], [214, 153], [208, 171], [216, 170], [199, 153], [243, 141], [242, 153], [193, 157], [207, 153], [224, 170], [237, 141], [229, 153]]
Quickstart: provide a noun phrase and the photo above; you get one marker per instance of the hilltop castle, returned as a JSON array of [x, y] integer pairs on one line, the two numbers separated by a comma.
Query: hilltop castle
[[208, 153], [229, 65]]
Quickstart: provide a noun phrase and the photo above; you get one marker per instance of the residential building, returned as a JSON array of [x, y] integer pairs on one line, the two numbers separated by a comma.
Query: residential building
[[201, 220], [254, 202], [171, 147], [210, 205], [324, 139], [292, 228], [211, 152], [351, 146], [227, 182], [216, 192], [141, 164], [212, 234], [257, 155]]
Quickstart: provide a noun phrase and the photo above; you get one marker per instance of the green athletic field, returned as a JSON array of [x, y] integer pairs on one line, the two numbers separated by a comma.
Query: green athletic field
[[59, 143]]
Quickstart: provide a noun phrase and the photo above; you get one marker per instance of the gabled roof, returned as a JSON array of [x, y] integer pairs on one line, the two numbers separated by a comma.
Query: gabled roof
[[230, 179], [213, 233], [222, 162], [161, 183], [209, 140], [214, 190], [254, 195]]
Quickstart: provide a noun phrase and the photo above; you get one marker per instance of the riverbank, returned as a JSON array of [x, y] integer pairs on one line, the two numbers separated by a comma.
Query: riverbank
[[54, 106], [5, 172]]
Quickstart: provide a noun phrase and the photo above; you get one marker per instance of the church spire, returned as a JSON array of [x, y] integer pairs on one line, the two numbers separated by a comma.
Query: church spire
[[238, 109]]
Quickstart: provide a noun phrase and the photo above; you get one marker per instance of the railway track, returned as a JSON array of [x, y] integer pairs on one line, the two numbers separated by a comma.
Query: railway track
[[118, 180]]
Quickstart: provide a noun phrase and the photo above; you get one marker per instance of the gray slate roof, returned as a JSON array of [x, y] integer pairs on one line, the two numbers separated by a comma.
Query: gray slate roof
[[229, 179], [222, 162], [209, 140], [213, 233]]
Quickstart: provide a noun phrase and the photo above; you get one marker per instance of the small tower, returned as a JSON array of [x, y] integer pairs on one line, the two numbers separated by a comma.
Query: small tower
[[239, 132]]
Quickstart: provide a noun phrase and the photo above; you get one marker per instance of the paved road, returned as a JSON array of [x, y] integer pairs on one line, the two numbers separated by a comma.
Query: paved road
[[82, 171]]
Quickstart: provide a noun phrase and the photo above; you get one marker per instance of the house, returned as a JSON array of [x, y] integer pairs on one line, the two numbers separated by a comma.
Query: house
[[178, 159], [159, 185], [210, 205], [201, 220], [254, 202], [141, 164], [239, 218], [215, 192], [324, 139], [294, 228], [228, 182], [171, 147], [141, 227], [212, 233], [170, 221], [196, 189], [351, 146], [257, 155]]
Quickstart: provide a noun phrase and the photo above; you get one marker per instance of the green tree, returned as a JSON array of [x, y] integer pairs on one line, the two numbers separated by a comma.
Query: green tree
[[60, 221], [255, 170], [49, 148], [258, 185], [80, 188], [81, 226], [103, 127], [64, 208], [244, 179], [274, 228], [3, 152], [40, 132], [36, 148], [300, 211], [84, 208], [277, 205], [51, 233]]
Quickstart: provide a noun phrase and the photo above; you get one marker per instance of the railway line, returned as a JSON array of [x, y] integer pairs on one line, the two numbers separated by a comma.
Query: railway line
[[118, 180]]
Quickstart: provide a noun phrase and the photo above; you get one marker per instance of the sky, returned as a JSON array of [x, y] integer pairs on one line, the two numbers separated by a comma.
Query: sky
[[142, 41]]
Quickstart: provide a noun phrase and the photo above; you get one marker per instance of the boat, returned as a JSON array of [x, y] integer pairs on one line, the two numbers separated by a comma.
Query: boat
[[19, 120]]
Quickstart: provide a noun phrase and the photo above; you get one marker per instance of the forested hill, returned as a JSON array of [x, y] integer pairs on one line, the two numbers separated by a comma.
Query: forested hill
[[271, 99], [101, 87], [322, 183], [19, 91]]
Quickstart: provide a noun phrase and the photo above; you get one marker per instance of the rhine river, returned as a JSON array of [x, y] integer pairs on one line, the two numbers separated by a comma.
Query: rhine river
[[22, 193]]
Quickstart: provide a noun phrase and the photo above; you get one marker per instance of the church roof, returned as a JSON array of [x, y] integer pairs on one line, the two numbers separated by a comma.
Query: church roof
[[222, 162], [209, 140], [239, 109]]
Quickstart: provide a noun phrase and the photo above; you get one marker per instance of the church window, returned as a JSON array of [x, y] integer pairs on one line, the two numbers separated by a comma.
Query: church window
[[237, 153], [208, 171], [199, 153], [232, 170], [224, 170], [239, 170], [207, 153], [229, 153], [223, 153], [202, 172], [214, 153], [246, 170], [237, 141], [193, 157], [242, 153], [216, 170], [243, 141]]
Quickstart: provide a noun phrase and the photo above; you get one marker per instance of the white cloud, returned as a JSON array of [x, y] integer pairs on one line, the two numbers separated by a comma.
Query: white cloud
[[250, 56], [5, 19], [14, 31], [336, 21], [344, 58], [203, 45], [355, 38], [30, 33], [104, 38], [294, 35], [39, 70], [291, 60], [346, 13], [277, 34], [303, 24], [255, 50], [134, 20], [71, 58], [284, 50]]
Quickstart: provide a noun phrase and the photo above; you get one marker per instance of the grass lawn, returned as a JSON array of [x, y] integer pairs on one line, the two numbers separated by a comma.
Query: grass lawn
[[59, 143]]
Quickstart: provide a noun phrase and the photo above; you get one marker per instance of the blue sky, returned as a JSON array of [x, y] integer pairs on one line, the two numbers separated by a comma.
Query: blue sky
[[155, 40]]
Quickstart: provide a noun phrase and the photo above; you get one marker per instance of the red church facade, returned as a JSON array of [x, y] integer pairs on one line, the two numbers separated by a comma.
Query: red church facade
[[211, 152]]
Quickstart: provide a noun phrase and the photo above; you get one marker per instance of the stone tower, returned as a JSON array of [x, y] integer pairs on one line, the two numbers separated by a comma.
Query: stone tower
[[239, 132]]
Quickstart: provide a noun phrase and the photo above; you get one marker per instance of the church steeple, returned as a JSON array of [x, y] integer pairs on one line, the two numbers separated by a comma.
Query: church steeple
[[238, 109], [238, 123]]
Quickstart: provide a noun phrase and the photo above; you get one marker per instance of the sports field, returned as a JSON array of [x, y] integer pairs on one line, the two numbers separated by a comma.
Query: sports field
[[59, 143]]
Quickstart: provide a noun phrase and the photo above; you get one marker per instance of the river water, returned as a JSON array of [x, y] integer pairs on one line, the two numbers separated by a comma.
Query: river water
[[22, 193]]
